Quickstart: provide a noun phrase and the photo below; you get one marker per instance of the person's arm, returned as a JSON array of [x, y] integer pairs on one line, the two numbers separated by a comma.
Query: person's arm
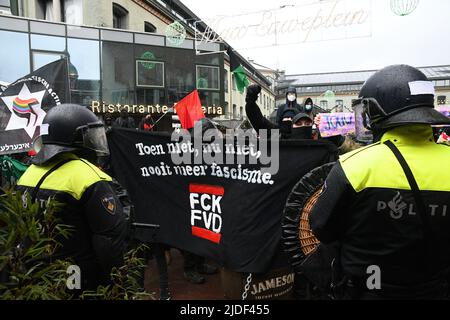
[[106, 220], [327, 216], [253, 112]]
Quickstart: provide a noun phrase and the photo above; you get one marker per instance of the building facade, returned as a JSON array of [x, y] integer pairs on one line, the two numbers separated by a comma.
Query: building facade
[[124, 54], [337, 90]]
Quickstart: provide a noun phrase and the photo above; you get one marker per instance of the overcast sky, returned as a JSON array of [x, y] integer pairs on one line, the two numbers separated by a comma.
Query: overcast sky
[[372, 39]]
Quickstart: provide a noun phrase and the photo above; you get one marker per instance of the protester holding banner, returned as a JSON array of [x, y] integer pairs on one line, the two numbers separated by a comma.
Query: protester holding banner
[[286, 114], [338, 129], [302, 127], [64, 168], [286, 124], [387, 204]]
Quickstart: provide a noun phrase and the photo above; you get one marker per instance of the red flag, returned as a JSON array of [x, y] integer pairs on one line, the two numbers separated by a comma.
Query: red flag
[[189, 110]]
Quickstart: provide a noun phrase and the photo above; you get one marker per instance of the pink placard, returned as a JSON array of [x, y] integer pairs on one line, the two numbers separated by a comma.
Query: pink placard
[[339, 123], [444, 109]]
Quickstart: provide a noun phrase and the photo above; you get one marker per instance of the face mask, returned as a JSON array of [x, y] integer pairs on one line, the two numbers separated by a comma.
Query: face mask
[[291, 97], [285, 129], [301, 133], [308, 107]]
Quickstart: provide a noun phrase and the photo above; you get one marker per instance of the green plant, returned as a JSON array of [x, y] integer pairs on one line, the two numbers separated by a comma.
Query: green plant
[[29, 239], [125, 280], [27, 244]]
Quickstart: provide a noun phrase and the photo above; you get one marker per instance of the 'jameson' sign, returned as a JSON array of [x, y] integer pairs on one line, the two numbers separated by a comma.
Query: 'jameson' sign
[[102, 107]]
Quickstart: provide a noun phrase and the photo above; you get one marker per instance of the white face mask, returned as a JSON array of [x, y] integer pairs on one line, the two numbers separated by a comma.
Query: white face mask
[[291, 97], [308, 107]]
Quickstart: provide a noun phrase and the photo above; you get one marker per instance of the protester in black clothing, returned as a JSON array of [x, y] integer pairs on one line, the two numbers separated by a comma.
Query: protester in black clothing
[[291, 103], [257, 119], [308, 107], [124, 121], [286, 125], [302, 127]]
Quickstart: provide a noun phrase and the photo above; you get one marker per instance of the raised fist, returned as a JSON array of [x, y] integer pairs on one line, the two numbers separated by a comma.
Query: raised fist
[[252, 92]]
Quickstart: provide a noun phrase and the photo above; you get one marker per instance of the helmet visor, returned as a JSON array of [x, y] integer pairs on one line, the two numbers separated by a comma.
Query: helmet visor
[[38, 144], [94, 138], [362, 128]]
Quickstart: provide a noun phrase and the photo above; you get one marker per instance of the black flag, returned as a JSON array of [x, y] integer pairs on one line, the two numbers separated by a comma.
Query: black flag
[[228, 212], [25, 102]]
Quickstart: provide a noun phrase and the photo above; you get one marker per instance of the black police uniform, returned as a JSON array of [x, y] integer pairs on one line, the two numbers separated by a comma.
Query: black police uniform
[[367, 203], [91, 207], [89, 204]]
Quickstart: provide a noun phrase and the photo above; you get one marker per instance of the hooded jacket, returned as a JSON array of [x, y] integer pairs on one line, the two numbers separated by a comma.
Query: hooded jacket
[[288, 105]]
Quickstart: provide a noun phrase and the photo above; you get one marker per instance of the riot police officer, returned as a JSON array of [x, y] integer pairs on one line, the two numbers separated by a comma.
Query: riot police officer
[[387, 204], [64, 168]]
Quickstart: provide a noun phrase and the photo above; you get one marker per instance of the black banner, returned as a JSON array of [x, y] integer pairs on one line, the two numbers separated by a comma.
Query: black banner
[[23, 105], [228, 212]]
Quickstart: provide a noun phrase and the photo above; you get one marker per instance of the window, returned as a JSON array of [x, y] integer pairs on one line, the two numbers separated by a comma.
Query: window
[[324, 104], [44, 10], [85, 62], [46, 49], [209, 98], [148, 27], [339, 106], [208, 78], [441, 99], [180, 73], [48, 43], [120, 17], [118, 79], [148, 96], [225, 81], [72, 11], [15, 63], [14, 7], [234, 111], [149, 73], [40, 59], [241, 113], [210, 59]]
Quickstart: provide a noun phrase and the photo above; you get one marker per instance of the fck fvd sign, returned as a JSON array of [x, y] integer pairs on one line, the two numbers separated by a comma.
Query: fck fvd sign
[[206, 211]]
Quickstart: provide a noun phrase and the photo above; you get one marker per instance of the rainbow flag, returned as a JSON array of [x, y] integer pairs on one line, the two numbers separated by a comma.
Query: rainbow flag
[[23, 106]]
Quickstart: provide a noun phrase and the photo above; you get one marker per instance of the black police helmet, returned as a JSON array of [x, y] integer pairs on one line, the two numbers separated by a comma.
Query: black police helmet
[[71, 127], [399, 95]]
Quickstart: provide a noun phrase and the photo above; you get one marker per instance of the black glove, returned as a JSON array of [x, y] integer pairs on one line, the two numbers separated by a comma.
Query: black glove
[[252, 93]]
